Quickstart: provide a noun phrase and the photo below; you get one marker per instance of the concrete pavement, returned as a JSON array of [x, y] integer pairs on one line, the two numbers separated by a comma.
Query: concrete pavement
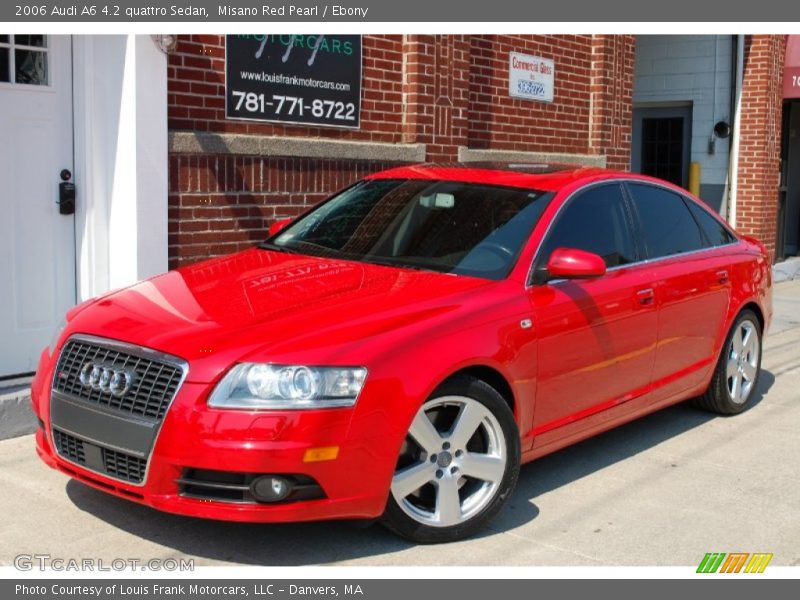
[[663, 490]]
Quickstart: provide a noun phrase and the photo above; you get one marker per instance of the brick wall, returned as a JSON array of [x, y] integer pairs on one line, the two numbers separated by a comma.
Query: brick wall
[[436, 89], [760, 142], [611, 89], [498, 121], [221, 204], [196, 86]]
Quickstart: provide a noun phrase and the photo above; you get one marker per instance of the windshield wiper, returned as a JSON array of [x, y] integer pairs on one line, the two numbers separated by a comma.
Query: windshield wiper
[[401, 265], [265, 245]]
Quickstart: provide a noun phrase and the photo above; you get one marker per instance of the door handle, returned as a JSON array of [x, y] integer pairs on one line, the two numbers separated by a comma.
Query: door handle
[[722, 276], [646, 296]]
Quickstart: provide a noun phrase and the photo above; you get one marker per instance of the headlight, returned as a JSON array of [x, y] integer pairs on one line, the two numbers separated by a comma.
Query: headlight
[[263, 386], [54, 341]]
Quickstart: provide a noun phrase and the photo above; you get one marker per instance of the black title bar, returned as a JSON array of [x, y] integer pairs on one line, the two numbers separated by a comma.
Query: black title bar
[[375, 11]]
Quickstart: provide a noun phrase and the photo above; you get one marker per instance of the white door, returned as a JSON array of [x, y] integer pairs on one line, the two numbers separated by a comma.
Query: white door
[[37, 243]]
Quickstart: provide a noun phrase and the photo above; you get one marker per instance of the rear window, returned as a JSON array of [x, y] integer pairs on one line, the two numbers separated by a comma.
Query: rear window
[[668, 227], [716, 233]]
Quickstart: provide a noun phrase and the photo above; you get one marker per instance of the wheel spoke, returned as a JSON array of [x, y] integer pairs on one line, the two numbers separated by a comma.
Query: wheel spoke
[[732, 368], [738, 344], [467, 422], [448, 504], [736, 387], [749, 371], [747, 340], [483, 467], [425, 434], [410, 479]]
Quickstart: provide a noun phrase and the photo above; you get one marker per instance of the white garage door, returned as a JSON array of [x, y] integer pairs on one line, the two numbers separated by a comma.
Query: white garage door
[[37, 242]]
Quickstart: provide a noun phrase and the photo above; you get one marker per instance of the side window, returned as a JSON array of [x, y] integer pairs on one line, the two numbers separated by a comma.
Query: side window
[[667, 225], [596, 221], [716, 232]]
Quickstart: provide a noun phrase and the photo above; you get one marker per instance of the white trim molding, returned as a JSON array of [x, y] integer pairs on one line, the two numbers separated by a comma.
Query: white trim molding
[[121, 160]]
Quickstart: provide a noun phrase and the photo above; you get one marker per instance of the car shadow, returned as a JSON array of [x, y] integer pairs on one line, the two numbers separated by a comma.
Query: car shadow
[[328, 542]]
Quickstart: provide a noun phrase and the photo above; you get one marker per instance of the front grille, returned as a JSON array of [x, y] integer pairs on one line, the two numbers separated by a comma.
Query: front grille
[[155, 383], [69, 447], [124, 466], [97, 458]]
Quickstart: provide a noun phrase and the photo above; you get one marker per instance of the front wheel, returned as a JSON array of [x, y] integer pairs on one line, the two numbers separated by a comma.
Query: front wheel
[[458, 464], [736, 375]]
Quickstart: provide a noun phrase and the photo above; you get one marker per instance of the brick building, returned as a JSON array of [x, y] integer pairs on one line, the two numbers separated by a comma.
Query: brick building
[[163, 178], [445, 98]]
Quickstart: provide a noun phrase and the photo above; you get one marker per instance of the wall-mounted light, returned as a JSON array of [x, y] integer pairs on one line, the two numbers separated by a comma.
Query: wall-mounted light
[[166, 42], [722, 129]]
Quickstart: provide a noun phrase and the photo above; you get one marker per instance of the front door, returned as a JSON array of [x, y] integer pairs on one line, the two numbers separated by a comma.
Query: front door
[[596, 337], [37, 243]]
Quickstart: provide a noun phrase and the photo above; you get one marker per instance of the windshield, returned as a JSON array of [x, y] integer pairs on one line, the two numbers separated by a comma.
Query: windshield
[[444, 226]]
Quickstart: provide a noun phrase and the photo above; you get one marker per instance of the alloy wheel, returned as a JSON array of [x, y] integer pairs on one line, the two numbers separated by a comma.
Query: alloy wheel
[[452, 462], [742, 366]]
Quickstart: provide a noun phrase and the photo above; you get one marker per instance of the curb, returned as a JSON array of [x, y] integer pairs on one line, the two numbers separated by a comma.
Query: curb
[[16, 415], [787, 270]]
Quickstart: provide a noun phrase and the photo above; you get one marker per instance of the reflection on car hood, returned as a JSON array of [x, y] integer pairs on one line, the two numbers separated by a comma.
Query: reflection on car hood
[[288, 305]]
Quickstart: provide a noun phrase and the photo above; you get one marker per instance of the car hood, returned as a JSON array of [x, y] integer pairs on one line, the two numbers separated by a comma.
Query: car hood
[[264, 305]]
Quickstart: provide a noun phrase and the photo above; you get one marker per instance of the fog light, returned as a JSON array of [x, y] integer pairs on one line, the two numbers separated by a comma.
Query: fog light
[[270, 488]]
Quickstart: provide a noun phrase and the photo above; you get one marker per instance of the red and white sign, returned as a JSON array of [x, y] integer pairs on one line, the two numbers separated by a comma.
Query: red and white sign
[[531, 77], [791, 70]]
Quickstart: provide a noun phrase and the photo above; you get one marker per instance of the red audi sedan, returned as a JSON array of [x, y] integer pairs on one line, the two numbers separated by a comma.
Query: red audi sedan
[[398, 351]]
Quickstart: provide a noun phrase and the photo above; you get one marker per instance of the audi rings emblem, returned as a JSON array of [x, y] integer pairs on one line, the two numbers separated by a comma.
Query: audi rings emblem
[[107, 378]]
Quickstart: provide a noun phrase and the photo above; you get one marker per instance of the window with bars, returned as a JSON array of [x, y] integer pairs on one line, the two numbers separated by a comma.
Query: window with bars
[[24, 59], [662, 148]]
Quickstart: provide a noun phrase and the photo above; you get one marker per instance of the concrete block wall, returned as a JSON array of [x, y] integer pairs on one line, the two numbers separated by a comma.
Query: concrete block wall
[[695, 70]]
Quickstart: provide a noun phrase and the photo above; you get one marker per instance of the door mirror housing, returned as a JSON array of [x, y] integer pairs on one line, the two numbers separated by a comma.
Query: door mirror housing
[[571, 263], [277, 226]]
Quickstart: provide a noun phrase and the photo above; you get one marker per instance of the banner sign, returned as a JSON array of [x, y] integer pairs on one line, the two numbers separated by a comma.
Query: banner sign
[[531, 77], [303, 79]]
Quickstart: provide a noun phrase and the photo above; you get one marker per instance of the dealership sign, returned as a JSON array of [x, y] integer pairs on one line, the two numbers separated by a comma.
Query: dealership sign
[[305, 79], [531, 77]]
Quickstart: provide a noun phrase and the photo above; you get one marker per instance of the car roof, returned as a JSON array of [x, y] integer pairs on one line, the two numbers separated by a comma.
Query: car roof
[[530, 175]]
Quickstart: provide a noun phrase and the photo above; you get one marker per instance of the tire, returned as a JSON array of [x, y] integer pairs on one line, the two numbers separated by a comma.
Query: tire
[[458, 465], [736, 374]]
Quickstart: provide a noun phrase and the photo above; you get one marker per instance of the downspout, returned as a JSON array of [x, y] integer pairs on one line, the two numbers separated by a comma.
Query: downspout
[[733, 169]]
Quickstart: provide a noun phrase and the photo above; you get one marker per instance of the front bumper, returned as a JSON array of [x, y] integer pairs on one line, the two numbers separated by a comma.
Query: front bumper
[[355, 484]]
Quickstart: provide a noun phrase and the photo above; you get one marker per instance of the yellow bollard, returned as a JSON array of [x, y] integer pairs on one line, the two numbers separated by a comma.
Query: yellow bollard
[[694, 178]]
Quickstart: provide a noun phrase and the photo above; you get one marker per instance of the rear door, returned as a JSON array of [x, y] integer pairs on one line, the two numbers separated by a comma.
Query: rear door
[[692, 282], [596, 337]]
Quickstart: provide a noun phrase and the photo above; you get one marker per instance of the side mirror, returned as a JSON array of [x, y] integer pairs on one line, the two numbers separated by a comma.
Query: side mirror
[[571, 263], [277, 226]]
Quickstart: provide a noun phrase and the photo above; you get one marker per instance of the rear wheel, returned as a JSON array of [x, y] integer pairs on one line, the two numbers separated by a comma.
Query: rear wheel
[[458, 464], [739, 365]]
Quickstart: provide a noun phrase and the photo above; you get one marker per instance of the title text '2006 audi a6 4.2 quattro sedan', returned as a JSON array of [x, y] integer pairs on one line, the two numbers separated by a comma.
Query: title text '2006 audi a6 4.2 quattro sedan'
[[399, 350]]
